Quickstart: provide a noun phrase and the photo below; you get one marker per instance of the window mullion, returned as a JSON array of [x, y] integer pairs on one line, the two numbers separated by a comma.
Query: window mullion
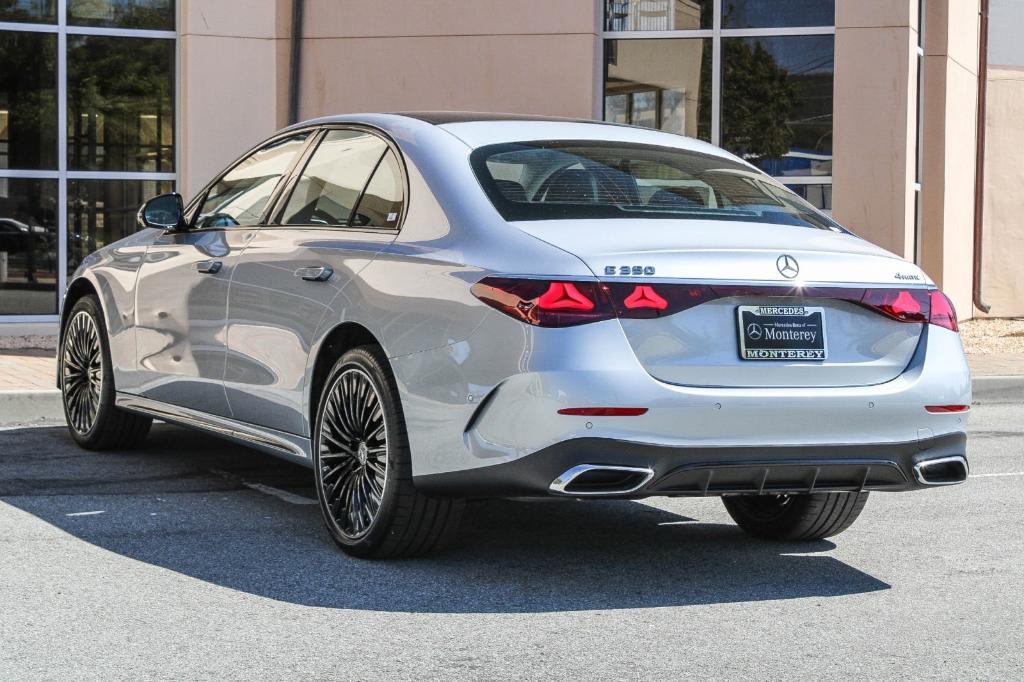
[[62, 150], [716, 75]]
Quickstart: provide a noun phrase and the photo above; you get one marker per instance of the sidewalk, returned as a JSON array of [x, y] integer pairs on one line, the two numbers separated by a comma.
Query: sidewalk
[[27, 369]]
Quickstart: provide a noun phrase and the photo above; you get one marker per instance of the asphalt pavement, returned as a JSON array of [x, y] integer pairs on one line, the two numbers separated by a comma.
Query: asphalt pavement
[[197, 559]]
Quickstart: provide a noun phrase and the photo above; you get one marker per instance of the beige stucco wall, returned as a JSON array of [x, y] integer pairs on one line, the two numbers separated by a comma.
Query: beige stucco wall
[[875, 121], [529, 56], [543, 56], [949, 148], [1003, 272], [233, 66]]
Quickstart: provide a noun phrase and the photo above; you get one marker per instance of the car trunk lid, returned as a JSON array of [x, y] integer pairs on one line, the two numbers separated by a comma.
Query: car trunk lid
[[717, 278]]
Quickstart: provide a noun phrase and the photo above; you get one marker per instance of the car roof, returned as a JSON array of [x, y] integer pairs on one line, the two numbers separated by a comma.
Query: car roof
[[478, 129], [438, 118]]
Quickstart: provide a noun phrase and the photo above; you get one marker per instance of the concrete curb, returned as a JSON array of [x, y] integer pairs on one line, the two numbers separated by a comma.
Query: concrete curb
[[995, 390], [35, 406], [30, 406]]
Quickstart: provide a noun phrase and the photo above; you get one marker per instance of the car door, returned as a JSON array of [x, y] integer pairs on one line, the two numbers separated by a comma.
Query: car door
[[182, 287], [339, 213]]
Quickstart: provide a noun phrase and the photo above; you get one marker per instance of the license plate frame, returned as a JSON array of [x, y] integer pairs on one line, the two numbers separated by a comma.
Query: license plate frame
[[789, 333]]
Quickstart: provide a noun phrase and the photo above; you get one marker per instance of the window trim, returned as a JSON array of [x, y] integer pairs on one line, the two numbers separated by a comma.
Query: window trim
[[274, 218]]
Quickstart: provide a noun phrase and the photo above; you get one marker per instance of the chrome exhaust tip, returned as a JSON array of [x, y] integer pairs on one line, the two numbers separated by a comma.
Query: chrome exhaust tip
[[942, 471], [601, 479]]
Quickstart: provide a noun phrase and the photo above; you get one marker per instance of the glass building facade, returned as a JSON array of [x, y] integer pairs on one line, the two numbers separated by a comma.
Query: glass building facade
[[752, 76], [87, 132]]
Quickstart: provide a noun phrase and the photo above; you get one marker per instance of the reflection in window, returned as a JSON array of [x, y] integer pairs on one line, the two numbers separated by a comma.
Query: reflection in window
[[120, 104], [664, 84], [381, 204], [28, 100], [148, 14], [36, 11], [819, 196], [102, 211], [28, 247], [241, 195], [777, 102], [658, 15], [332, 182], [777, 13]]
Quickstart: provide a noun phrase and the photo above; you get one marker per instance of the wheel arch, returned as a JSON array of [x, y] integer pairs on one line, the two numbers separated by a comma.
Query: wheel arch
[[77, 290], [335, 343]]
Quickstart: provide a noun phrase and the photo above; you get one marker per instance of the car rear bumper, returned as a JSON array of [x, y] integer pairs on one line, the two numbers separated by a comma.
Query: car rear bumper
[[505, 404], [634, 470]]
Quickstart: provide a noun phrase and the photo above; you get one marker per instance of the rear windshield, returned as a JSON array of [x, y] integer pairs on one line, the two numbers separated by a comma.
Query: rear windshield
[[560, 180]]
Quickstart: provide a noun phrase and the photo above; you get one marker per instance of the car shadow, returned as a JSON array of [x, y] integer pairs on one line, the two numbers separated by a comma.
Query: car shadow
[[236, 518]]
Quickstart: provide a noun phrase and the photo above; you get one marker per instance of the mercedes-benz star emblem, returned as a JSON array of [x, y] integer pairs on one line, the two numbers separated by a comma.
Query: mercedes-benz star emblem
[[788, 266], [754, 332]]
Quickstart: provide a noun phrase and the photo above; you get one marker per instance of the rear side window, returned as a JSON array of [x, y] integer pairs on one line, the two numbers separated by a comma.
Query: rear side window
[[347, 182], [583, 179], [240, 196], [381, 203]]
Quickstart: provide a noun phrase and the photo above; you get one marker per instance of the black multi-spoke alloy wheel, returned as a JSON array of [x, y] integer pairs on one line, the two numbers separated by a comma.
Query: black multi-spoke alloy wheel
[[795, 517], [363, 469], [87, 384]]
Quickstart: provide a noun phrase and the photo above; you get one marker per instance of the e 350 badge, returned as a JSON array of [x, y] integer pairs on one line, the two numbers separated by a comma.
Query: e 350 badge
[[629, 270]]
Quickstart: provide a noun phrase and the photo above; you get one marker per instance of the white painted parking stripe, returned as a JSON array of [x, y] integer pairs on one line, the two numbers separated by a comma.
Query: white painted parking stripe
[[290, 498], [88, 513], [1008, 473]]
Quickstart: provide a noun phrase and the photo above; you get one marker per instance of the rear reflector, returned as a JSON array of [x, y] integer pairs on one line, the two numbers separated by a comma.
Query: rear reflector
[[603, 411], [940, 409]]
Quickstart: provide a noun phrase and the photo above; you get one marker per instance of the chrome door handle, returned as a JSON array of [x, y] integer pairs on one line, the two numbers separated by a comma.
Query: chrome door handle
[[317, 274], [209, 267]]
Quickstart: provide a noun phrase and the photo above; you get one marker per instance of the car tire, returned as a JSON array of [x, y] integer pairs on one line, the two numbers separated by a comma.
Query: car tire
[[795, 517], [363, 468], [87, 384]]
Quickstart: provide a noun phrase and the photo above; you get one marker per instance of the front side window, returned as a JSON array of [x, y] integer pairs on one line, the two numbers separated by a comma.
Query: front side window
[[561, 180], [241, 195], [333, 182]]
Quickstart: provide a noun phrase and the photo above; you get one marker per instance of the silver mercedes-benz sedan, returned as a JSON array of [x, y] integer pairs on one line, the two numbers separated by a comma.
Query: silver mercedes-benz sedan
[[430, 307]]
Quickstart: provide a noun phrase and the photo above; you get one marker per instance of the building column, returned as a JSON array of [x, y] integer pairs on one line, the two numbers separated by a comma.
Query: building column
[[233, 81], [875, 121], [949, 147]]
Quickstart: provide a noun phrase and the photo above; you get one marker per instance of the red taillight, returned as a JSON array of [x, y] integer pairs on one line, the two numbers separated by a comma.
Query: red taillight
[[545, 303], [603, 411], [644, 296], [564, 296], [942, 313], [942, 409], [905, 305]]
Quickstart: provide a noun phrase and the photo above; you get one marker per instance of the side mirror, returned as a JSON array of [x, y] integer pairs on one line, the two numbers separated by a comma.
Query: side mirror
[[165, 212]]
